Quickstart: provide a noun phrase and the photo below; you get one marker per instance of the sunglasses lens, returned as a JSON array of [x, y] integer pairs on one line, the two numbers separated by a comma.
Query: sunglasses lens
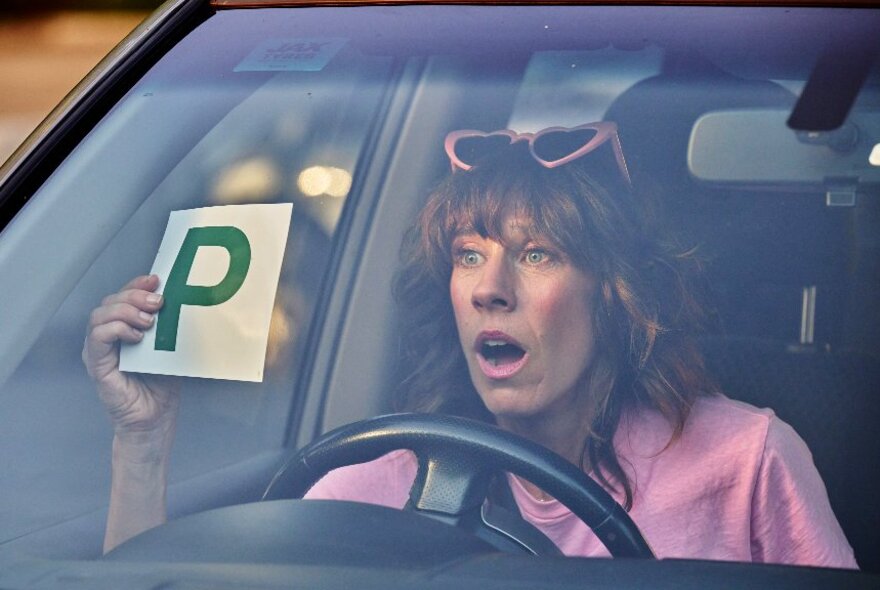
[[559, 144], [471, 150]]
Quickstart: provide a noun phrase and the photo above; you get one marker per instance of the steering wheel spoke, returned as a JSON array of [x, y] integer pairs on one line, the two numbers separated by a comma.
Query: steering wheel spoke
[[449, 484]]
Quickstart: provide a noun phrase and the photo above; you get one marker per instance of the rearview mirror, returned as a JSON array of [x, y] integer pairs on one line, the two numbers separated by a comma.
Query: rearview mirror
[[757, 147]]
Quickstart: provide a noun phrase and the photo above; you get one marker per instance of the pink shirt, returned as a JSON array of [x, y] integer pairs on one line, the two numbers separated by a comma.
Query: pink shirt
[[739, 485]]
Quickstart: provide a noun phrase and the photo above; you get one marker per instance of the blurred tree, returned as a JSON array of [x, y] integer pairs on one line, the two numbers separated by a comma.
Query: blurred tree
[[17, 6]]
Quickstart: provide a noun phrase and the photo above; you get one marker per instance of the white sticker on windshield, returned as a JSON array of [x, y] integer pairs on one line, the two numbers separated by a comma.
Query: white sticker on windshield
[[218, 269], [308, 54]]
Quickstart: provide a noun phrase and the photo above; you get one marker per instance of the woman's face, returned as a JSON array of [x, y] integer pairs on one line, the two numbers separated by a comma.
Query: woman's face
[[525, 320]]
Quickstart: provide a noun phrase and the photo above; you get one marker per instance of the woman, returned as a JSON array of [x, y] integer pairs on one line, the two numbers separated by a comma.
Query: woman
[[535, 296]]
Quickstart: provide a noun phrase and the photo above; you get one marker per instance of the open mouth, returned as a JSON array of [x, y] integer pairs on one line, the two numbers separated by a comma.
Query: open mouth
[[501, 352], [499, 356]]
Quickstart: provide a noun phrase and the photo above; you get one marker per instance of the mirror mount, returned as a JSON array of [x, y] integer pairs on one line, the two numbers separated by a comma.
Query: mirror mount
[[838, 76], [842, 140]]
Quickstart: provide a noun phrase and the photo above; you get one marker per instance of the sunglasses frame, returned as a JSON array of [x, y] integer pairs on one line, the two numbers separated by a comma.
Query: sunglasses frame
[[605, 131]]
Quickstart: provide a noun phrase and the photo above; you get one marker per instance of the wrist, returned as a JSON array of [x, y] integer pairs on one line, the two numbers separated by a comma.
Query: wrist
[[144, 445]]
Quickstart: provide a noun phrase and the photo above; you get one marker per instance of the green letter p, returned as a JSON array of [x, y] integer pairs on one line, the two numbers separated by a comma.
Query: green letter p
[[177, 293]]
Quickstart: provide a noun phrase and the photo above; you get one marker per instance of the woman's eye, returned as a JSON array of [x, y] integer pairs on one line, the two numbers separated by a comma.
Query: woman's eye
[[536, 256], [468, 258]]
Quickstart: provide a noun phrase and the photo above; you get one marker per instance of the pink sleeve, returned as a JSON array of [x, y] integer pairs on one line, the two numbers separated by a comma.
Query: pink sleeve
[[792, 520], [385, 481]]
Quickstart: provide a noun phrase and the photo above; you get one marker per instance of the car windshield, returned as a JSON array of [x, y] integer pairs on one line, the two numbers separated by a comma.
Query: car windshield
[[342, 113]]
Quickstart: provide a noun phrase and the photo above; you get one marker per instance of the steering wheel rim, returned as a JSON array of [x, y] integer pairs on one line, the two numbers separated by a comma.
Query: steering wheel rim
[[457, 458]]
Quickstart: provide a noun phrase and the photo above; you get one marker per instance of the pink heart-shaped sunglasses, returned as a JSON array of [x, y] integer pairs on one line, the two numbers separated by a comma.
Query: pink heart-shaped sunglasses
[[550, 147]]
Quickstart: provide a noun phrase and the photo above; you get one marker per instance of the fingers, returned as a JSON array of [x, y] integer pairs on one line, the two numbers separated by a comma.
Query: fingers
[[121, 317], [109, 332], [137, 315], [144, 282], [138, 292], [124, 316], [100, 351]]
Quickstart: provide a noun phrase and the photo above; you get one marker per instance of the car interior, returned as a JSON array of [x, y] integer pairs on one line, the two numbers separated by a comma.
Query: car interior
[[792, 264]]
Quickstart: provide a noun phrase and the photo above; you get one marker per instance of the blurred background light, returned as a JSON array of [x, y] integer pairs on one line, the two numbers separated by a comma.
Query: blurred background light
[[248, 181], [315, 181]]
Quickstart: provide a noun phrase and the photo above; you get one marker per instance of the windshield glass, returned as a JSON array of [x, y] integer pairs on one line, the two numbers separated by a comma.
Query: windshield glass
[[342, 113]]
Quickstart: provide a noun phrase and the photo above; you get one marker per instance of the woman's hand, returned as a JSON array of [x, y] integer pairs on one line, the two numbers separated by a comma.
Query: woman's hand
[[137, 404], [143, 409]]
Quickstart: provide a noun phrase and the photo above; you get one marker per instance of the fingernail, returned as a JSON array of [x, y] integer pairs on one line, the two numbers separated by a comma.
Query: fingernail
[[146, 316], [154, 298], [137, 333]]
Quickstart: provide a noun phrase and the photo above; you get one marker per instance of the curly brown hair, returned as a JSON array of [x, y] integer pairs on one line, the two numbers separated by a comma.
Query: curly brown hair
[[647, 313]]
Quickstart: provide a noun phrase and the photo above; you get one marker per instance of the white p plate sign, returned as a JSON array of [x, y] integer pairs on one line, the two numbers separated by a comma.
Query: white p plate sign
[[218, 269]]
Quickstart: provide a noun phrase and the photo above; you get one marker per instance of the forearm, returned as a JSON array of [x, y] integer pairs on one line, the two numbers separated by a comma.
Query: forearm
[[139, 482]]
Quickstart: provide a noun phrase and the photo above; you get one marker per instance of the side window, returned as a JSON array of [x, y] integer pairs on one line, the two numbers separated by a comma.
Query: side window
[[203, 128]]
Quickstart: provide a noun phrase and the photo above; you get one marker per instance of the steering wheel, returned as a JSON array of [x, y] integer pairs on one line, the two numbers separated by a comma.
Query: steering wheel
[[457, 459]]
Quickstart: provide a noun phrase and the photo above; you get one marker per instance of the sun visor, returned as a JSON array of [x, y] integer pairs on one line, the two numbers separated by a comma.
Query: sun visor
[[756, 147]]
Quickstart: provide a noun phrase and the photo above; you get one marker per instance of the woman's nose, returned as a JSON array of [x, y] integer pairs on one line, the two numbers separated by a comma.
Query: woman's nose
[[495, 289]]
